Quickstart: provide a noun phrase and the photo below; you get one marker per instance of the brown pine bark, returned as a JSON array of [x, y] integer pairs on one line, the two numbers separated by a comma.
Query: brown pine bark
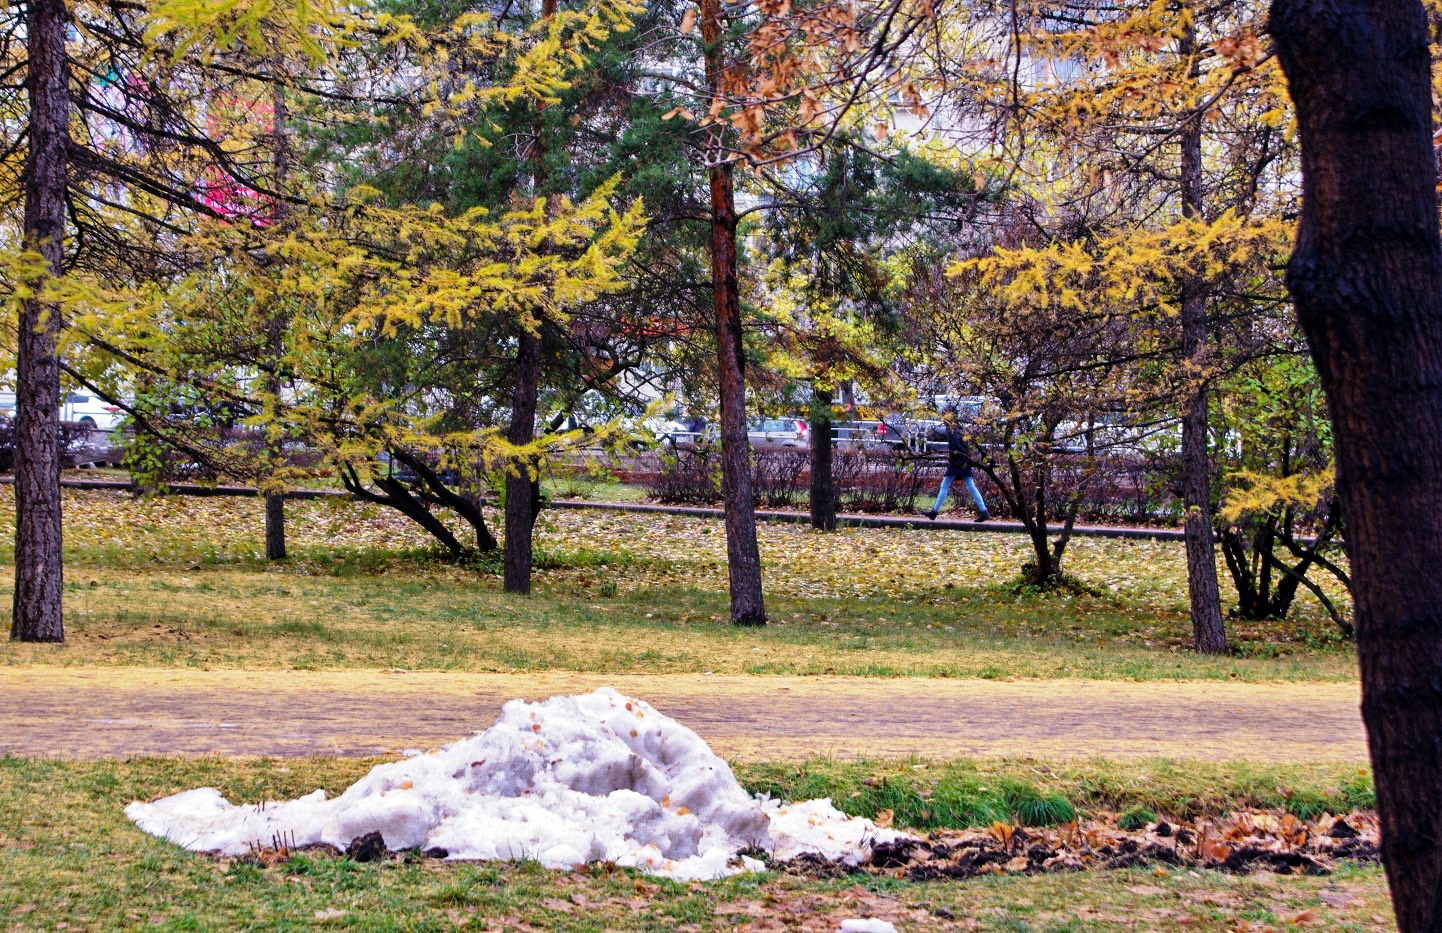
[[1209, 633], [743, 553], [1366, 277], [37, 610], [823, 483]]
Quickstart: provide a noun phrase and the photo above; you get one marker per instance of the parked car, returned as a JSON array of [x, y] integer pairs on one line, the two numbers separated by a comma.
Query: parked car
[[88, 411], [91, 411], [856, 435], [783, 433], [917, 435], [79, 446], [666, 430], [639, 434], [764, 434]]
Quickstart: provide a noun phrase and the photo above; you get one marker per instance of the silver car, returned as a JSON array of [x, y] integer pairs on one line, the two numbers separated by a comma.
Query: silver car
[[779, 433]]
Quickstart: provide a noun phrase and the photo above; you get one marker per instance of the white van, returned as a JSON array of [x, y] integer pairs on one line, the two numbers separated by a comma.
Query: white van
[[91, 411]]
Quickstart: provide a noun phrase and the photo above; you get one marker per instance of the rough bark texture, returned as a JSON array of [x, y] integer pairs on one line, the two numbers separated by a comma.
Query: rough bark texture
[[1367, 281], [275, 526], [1209, 633], [743, 554], [38, 572], [823, 483], [523, 497]]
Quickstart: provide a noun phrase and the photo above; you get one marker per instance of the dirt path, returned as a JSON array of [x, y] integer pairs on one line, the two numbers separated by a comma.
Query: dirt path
[[121, 712]]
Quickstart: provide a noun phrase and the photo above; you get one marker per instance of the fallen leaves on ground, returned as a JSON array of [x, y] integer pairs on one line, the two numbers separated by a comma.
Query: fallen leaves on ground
[[1244, 841]]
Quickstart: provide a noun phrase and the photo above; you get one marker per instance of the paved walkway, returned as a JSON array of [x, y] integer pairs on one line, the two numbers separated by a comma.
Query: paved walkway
[[121, 712]]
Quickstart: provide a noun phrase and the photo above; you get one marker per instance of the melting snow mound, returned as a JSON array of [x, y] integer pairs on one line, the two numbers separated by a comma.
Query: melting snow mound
[[573, 779]]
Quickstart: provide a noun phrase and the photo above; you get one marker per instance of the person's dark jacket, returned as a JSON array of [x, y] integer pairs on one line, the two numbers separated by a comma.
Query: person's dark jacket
[[958, 456]]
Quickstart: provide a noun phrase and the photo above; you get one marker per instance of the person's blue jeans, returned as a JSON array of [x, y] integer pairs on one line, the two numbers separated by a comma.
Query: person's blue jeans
[[969, 482]]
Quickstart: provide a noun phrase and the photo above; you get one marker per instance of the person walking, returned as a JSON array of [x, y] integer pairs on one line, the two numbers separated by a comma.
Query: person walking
[[958, 467]]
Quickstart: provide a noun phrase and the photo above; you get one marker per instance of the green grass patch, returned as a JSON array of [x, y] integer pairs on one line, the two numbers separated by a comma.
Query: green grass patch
[[1137, 818], [934, 794]]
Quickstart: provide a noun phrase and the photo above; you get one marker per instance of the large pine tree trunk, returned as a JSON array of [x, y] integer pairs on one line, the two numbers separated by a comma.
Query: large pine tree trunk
[[275, 526], [823, 482], [522, 484], [743, 553], [38, 573], [1367, 281], [1209, 634]]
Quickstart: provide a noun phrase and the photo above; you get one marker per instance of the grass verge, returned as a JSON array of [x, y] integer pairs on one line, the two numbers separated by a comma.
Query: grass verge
[[69, 857], [938, 794], [423, 616]]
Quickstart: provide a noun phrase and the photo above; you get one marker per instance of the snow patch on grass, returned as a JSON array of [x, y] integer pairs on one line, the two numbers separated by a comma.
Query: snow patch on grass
[[597, 777]]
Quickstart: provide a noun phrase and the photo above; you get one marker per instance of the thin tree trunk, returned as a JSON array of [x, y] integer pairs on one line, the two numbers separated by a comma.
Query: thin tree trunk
[[1209, 633], [398, 497], [1048, 571], [823, 483], [743, 553], [1366, 277], [1234, 549], [467, 504], [275, 335], [39, 581], [521, 481], [523, 485]]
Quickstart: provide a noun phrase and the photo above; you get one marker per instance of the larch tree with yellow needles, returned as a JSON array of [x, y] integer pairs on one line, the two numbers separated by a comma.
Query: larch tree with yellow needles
[[130, 130]]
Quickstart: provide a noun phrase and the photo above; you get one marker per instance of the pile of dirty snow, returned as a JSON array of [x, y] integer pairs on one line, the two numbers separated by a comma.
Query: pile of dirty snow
[[574, 779]]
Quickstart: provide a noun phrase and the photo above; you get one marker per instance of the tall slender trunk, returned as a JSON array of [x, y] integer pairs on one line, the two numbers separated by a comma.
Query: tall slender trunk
[[823, 482], [275, 336], [1209, 633], [39, 580], [523, 485], [1366, 277], [743, 553]]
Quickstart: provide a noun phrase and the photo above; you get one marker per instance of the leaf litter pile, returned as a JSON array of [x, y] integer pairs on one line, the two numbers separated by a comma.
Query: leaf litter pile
[[1243, 841]]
